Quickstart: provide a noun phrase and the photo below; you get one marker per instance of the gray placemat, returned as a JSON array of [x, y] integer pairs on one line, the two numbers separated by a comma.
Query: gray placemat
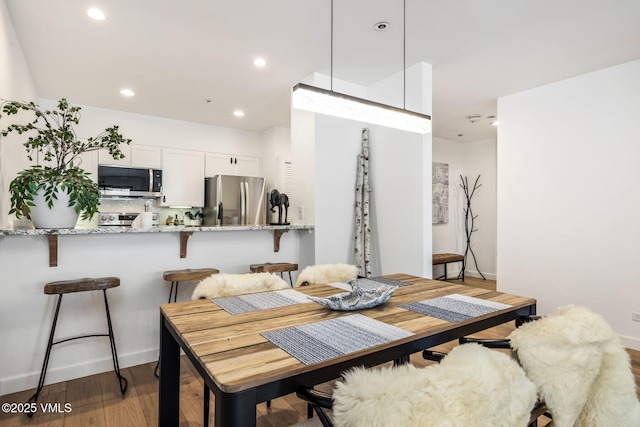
[[320, 341], [260, 301], [455, 308]]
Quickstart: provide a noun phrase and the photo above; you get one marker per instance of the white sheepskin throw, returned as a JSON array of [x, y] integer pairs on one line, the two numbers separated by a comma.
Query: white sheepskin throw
[[582, 371], [326, 273], [226, 285], [472, 387]]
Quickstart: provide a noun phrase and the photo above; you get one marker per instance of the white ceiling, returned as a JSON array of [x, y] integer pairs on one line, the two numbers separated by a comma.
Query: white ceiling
[[175, 54]]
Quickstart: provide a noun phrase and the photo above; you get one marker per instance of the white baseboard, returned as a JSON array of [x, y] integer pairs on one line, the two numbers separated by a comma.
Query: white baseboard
[[64, 373], [630, 342]]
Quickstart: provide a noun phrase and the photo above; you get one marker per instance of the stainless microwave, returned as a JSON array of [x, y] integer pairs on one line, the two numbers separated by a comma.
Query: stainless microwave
[[119, 181]]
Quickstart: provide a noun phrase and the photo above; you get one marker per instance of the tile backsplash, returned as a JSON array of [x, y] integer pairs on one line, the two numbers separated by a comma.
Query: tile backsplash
[[134, 205]]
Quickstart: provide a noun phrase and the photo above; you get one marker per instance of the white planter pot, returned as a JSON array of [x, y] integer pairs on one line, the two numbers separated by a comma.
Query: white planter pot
[[59, 216]]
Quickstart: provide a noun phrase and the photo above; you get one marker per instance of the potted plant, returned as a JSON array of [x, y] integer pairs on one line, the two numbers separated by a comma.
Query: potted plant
[[59, 183]]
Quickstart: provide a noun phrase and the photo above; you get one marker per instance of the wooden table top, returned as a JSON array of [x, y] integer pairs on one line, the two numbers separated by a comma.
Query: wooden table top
[[237, 357]]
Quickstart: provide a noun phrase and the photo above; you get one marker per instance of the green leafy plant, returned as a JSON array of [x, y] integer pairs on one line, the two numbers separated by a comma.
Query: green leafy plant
[[52, 135]]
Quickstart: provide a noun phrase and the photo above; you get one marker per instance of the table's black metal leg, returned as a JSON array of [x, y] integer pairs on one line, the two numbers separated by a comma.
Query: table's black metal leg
[[236, 409], [169, 394], [207, 398]]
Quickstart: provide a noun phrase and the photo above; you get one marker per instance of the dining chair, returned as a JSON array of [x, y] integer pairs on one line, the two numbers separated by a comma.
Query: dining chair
[[472, 386], [580, 368]]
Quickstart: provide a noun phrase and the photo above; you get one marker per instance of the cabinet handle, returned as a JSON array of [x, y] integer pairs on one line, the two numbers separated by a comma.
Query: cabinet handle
[[164, 199], [231, 160], [235, 161]]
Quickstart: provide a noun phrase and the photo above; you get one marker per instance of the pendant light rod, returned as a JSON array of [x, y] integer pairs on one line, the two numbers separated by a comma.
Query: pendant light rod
[[331, 66], [404, 54], [323, 101]]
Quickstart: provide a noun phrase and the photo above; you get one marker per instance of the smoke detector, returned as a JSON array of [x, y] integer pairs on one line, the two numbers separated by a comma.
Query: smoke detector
[[474, 118]]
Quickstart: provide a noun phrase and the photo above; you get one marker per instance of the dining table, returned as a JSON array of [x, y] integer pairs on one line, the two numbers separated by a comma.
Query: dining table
[[255, 348]]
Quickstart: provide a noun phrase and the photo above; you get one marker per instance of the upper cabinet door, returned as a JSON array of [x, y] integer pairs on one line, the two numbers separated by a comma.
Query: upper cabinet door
[[218, 164], [228, 164], [146, 156], [182, 178], [247, 166], [104, 158]]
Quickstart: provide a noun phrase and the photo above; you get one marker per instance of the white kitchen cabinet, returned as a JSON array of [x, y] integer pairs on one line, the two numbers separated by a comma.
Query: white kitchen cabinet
[[182, 178], [146, 156], [104, 158], [137, 156], [228, 164]]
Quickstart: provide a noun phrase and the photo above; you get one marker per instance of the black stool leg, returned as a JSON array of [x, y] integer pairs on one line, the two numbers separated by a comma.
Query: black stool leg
[[290, 280], [175, 296], [45, 364], [114, 354], [445, 271]]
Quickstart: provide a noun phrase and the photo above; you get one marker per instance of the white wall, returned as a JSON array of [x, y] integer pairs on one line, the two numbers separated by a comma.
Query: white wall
[[468, 159], [276, 147], [15, 83], [568, 195]]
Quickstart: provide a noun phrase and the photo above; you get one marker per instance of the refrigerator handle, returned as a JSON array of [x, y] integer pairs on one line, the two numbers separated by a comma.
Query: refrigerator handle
[[243, 203]]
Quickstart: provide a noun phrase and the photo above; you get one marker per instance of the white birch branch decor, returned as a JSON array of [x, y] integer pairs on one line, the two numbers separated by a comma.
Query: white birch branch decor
[[359, 185], [365, 205]]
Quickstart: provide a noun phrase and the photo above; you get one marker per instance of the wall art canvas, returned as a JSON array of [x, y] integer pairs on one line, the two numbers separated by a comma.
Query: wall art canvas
[[440, 193]]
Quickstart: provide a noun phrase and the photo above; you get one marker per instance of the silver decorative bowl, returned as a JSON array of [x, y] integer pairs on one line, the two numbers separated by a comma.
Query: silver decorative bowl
[[358, 298]]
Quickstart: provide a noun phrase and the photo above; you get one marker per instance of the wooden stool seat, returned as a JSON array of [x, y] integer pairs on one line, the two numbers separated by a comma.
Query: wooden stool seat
[[81, 285], [189, 274], [276, 267], [446, 259]]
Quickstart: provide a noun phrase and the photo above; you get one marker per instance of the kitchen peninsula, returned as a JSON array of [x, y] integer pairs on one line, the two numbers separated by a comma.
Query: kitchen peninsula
[[138, 257], [185, 233]]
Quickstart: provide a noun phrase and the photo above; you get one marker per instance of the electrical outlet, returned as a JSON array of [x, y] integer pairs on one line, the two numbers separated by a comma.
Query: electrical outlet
[[635, 316], [300, 212]]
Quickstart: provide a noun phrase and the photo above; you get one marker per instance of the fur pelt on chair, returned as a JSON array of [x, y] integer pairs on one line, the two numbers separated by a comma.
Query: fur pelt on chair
[[326, 273], [472, 387], [225, 285], [582, 371]]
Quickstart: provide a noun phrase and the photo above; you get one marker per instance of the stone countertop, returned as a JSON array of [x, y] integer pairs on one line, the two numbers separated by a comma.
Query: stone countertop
[[161, 229]]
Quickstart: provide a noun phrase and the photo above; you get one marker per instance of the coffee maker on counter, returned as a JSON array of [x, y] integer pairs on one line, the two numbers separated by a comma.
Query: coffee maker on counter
[[278, 200]]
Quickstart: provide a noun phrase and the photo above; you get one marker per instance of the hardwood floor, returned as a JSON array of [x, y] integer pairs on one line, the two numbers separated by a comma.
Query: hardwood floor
[[96, 400]]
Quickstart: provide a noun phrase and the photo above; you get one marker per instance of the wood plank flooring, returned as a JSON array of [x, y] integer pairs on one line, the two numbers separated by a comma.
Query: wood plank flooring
[[96, 400]]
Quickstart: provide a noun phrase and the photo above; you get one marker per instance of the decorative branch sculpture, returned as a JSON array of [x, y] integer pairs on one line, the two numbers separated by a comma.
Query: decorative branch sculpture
[[469, 219], [363, 230]]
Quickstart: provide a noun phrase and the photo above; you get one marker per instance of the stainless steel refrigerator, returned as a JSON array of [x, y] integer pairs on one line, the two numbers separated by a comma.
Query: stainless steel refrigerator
[[234, 200]]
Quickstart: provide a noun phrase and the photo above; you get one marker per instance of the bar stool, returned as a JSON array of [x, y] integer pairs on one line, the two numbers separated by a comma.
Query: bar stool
[[177, 276], [278, 267], [80, 285]]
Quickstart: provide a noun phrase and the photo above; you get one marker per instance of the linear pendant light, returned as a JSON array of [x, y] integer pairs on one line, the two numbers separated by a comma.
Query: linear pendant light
[[327, 101]]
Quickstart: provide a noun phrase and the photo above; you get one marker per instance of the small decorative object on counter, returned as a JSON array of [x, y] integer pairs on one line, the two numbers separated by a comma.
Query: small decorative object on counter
[[169, 220], [279, 200], [358, 299]]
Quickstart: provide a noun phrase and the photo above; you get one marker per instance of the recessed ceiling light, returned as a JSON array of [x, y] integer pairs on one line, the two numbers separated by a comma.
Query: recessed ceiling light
[[127, 92], [495, 123], [238, 113], [96, 14], [381, 26], [208, 100], [259, 62]]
